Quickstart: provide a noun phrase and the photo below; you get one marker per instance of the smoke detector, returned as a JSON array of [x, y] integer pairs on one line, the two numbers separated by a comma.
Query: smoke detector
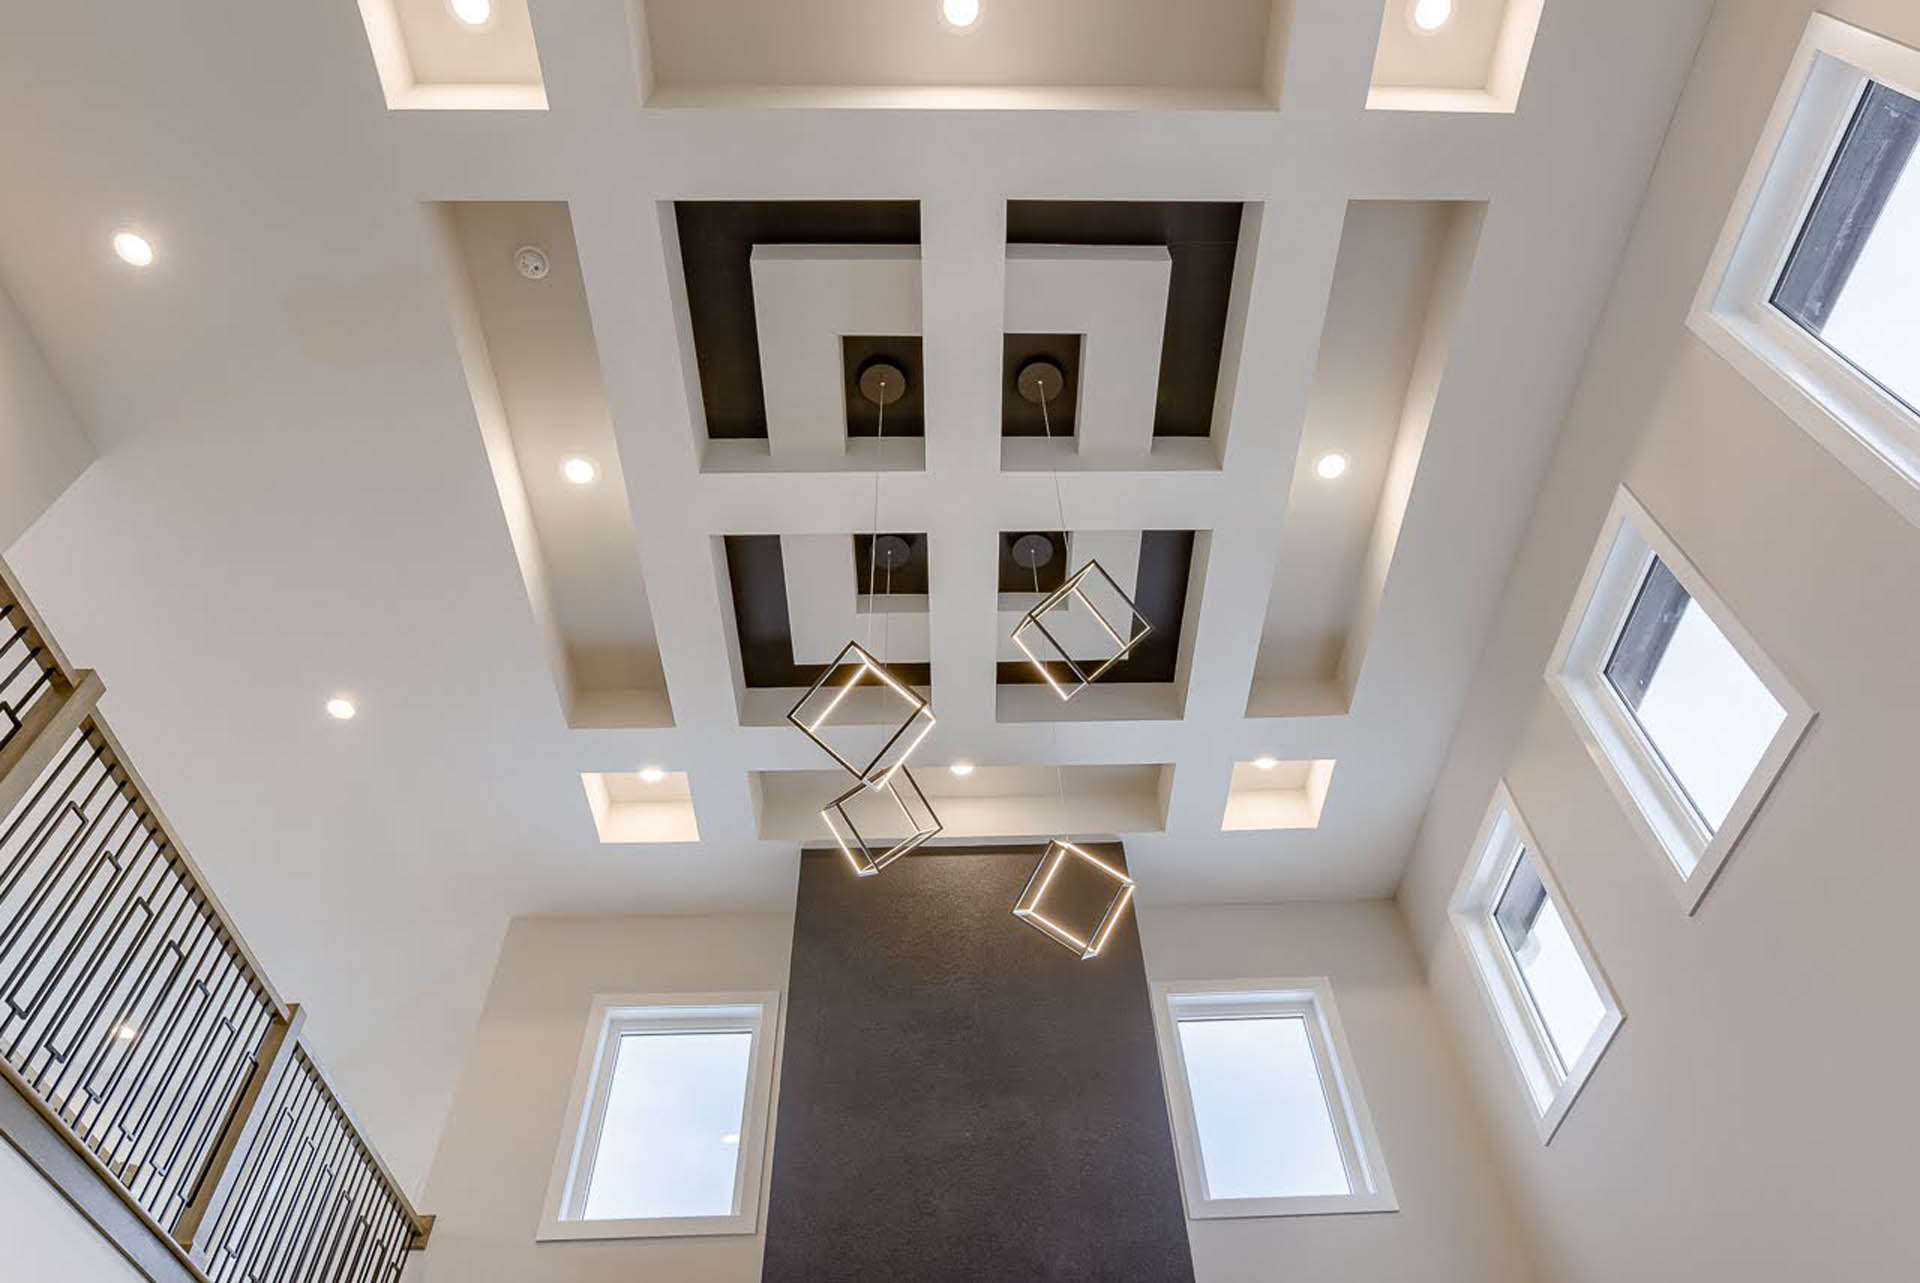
[[531, 262]]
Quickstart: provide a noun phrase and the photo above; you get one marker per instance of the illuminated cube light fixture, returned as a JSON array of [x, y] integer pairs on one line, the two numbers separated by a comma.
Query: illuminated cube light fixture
[[814, 713], [1040, 381], [865, 822], [1029, 906], [885, 798], [1075, 675]]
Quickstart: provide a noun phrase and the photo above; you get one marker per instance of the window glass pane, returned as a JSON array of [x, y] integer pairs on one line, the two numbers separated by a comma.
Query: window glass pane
[[1707, 715], [670, 1140], [1260, 1110], [1536, 936], [1853, 278]]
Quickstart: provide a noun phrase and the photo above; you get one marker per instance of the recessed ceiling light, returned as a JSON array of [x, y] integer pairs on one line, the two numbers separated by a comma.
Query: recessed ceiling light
[[125, 1033], [1431, 15], [134, 249], [1330, 466], [731, 1138], [652, 774], [962, 767], [1266, 763], [960, 14], [580, 470], [475, 13], [342, 709]]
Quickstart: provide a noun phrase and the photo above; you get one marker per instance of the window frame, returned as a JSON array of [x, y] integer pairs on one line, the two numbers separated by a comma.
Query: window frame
[[1689, 857], [1550, 1087], [1858, 421], [613, 1016], [1309, 998]]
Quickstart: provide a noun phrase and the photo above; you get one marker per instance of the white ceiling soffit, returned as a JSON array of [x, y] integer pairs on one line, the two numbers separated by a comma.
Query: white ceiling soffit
[[534, 374], [295, 496], [1402, 272]]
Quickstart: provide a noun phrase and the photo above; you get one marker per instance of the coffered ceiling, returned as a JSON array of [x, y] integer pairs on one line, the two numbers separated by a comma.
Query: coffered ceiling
[[332, 419]]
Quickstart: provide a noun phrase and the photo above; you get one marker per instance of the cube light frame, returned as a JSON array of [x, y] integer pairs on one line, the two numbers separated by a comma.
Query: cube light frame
[[920, 713], [1027, 907], [1034, 620], [866, 858]]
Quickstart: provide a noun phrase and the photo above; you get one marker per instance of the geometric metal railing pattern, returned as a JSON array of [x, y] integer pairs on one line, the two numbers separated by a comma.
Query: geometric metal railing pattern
[[125, 1004], [27, 671], [137, 1023], [310, 1200]]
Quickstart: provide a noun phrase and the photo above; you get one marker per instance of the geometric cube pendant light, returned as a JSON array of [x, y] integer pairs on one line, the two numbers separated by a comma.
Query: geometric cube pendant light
[[854, 668], [1069, 619], [1062, 861], [875, 827]]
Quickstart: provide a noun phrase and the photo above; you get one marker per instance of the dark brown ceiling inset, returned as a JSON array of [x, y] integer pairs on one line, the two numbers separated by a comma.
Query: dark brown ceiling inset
[[906, 417], [1020, 417], [1160, 595], [716, 250], [1202, 238], [757, 580]]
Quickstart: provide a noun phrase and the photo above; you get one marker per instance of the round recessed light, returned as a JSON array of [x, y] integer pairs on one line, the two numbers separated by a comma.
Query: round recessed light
[[125, 1033], [134, 249], [475, 13], [962, 768], [1331, 466], [342, 709], [731, 1138], [961, 15], [1266, 762], [652, 775], [580, 470], [1430, 15]]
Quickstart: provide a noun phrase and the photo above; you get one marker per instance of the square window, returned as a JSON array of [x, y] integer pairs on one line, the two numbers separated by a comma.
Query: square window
[[1687, 719], [1548, 996], [1813, 291], [1703, 711], [666, 1130], [1268, 1116], [1853, 279]]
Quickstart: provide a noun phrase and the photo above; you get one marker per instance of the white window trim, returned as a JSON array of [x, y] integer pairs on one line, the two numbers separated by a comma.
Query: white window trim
[[615, 1014], [1689, 857], [1312, 999], [1859, 422], [1503, 837]]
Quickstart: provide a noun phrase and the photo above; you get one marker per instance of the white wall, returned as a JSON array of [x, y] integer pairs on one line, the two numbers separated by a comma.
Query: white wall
[[43, 448], [1754, 1119], [45, 1238], [489, 1179], [1454, 1224]]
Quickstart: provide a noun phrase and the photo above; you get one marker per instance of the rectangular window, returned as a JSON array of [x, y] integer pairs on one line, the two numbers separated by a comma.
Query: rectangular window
[[1814, 289], [1688, 720], [1547, 993], [1268, 1117], [666, 1132], [1853, 279]]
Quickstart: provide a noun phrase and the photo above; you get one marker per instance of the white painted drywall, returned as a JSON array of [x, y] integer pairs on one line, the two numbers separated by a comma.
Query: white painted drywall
[[42, 1236], [489, 1179], [1754, 1119], [1454, 1223], [43, 448]]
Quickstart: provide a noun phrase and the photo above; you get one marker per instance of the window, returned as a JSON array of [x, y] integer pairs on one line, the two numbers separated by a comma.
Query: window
[[1547, 994], [1267, 1112], [1853, 279], [1814, 290], [666, 1131], [1687, 719]]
